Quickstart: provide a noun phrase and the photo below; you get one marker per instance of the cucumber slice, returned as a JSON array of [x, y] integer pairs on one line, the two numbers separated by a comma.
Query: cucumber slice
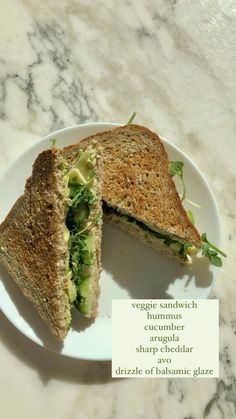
[[83, 291]]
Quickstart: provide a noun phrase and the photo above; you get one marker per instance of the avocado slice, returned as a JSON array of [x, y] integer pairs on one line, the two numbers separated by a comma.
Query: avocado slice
[[72, 291]]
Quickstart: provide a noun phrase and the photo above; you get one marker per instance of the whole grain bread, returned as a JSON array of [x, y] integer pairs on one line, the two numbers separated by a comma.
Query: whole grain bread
[[32, 244], [136, 181]]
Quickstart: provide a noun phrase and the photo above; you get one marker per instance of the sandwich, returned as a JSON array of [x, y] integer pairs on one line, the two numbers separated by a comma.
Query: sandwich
[[50, 240], [138, 191]]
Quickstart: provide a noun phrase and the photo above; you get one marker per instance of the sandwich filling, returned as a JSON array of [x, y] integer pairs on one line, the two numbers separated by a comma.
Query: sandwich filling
[[81, 217], [180, 248]]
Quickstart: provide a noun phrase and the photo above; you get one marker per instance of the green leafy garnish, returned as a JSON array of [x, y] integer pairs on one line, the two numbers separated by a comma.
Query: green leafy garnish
[[192, 203], [131, 118], [190, 216], [211, 251], [208, 249], [79, 221], [53, 142], [176, 168]]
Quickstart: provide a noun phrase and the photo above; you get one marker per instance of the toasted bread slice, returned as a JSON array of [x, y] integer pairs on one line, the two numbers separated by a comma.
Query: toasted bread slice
[[33, 247], [137, 183]]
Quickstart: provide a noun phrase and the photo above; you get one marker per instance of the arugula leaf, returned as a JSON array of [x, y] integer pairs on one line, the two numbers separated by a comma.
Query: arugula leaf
[[208, 249], [211, 251], [53, 142], [131, 118], [176, 168], [206, 242], [79, 193], [216, 261]]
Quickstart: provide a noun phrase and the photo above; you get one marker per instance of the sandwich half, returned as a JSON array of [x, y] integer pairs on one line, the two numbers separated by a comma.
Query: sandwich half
[[50, 240], [138, 192]]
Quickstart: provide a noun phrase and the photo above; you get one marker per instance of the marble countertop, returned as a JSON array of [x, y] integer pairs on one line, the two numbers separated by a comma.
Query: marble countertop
[[174, 63]]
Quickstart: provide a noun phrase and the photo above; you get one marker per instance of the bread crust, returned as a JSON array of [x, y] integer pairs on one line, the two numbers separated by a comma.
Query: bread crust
[[31, 243], [136, 180]]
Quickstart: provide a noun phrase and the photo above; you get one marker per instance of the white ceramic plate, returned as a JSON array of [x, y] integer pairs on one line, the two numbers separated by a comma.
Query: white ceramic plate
[[130, 269]]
